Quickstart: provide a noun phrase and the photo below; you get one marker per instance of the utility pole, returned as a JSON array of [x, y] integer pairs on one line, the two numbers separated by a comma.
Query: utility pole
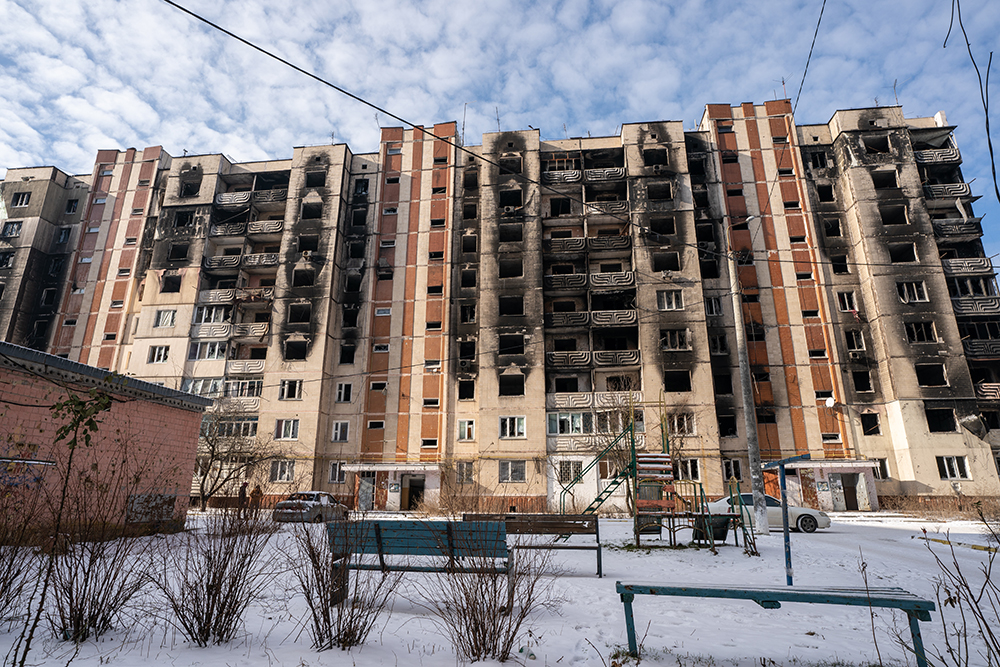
[[761, 526]]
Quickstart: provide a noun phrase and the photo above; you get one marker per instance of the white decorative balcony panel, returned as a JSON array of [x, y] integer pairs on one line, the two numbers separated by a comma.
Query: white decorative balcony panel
[[956, 229], [982, 348], [251, 329], [244, 366], [580, 399], [566, 281], [232, 198], [561, 176], [222, 262], [564, 443], [265, 196], [989, 391], [265, 226], [212, 330], [577, 244], [616, 357], [599, 243], [597, 207], [568, 359], [976, 305], [617, 399], [567, 319], [229, 229], [261, 259], [242, 403], [938, 156], [255, 293], [617, 279], [967, 266], [614, 318], [216, 296], [948, 190], [606, 174]]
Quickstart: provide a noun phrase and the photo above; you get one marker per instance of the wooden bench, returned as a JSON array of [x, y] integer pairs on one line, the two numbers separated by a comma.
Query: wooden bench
[[916, 608], [556, 525], [479, 546]]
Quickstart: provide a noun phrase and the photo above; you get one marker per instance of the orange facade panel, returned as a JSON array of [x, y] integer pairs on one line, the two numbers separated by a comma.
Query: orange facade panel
[[815, 338], [795, 225], [821, 379], [789, 191], [808, 298], [778, 127]]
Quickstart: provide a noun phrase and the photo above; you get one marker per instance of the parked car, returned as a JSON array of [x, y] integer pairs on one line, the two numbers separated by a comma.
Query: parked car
[[310, 507], [804, 519]]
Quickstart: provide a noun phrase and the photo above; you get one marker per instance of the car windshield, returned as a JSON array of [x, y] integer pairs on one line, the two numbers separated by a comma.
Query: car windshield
[[302, 496]]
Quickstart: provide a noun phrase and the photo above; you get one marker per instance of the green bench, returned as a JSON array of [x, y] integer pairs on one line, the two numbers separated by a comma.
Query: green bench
[[449, 546], [916, 609], [555, 525]]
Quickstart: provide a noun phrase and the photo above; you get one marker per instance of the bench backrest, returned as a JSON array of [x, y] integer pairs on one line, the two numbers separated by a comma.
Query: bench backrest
[[451, 539], [541, 524]]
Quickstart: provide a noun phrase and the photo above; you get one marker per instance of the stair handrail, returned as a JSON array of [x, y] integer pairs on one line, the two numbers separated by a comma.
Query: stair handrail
[[629, 431]]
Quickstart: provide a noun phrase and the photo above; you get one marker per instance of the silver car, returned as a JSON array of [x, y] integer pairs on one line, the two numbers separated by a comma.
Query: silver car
[[309, 507], [804, 519]]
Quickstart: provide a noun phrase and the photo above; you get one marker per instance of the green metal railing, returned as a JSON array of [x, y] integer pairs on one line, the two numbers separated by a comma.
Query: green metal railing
[[615, 482]]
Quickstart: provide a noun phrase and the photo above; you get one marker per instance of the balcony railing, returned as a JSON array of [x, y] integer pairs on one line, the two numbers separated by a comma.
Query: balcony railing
[[938, 156], [222, 262], [600, 399], [255, 293], [260, 259], [982, 348], [242, 403], [604, 243], [267, 196], [567, 319], [597, 207], [617, 399], [967, 266], [217, 296], [244, 366], [566, 281], [616, 357], [576, 358], [947, 190], [958, 229], [251, 329], [616, 279], [606, 174], [561, 176], [614, 318], [211, 330], [577, 244], [582, 399], [233, 198], [976, 305], [265, 227], [228, 229], [989, 391]]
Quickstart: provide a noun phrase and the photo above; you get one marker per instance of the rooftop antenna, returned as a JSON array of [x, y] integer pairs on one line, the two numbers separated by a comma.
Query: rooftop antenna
[[498, 119], [894, 81], [332, 136], [565, 131], [465, 112]]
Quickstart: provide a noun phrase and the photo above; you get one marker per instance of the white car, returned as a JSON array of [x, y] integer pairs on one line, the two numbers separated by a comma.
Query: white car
[[804, 519], [309, 507]]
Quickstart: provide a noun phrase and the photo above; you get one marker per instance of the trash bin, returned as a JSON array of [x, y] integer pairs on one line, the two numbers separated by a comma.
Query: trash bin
[[720, 528]]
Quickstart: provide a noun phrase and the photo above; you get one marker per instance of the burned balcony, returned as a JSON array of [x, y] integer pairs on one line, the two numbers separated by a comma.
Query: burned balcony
[[256, 330], [612, 279], [574, 359], [565, 276], [604, 174], [603, 158], [611, 197], [566, 176], [228, 229], [976, 305], [610, 240], [222, 262], [263, 228], [958, 229], [616, 357], [967, 266], [217, 296], [614, 318], [947, 191], [254, 294], [988, 349], [988, 391], [945, 155], [567, 319], [260, 260], [575, 244]]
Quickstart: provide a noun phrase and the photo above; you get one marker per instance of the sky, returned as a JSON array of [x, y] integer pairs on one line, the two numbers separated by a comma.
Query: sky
[[80, 76]]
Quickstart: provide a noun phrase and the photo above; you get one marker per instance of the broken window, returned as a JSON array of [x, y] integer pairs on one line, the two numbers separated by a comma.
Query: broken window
[[931, 375], [469, 277], [359, 217], [347, 353], [467, 350], [666, 226], [876, 144], [921, 332], [178, 251], [862, 381], [512, 385], [315, 179], [299, 313], [466, 390], [353, 283], [470, 211], [832, 227], [510, 165], [511, 232], [818, 160], [467, 313], [356, 250], [312, 211], [510, 199], [511, 344], [295, 350], [184, 219], [839, 264], [659, 191], [566, 385], [560, 206], [302, 278], [654, 156], [666, 261], [511, 268], [940, 420], [723, 383], [350, 317], [308, 243], [884, 179], [825, 192], [470, 180], [902, 252], [512, 305], [470, 243]]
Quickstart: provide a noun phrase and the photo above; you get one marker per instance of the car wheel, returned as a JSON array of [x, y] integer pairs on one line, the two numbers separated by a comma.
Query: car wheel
[[319, 519], [807, 524]]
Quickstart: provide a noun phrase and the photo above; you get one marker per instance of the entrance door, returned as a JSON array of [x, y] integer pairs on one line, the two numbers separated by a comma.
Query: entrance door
[[366, 491], [416, 494], [850, 482], [837, 491]]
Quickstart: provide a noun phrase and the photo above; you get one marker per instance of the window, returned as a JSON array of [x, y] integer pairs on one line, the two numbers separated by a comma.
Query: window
[[511, 268], [670, 300], [178, 251], [931, 375], [383, 312], [688, 469], [71, 206], [911, 292], [952, 467], [286, 429], [428, 443], [862, 381], [435, 289], [466, 390], [900, 253], [846, 302], [825, 192], [466, 429], [806, 314], [165, 318], [211, 387], [344, 392], [86, 260], [282, 471], [511, 344], [465, 472], [883, 180], [680, 424], [434, 326], [718, 344], [340, 431], [299, 313], [512, 385], [240, 427], [855, 340], [467, 313], [170, 284], [290, 390], [49, 296], [20, 199], [870, 424], [839, 264], [435, 255], [315, 179], [63, 236], [674, 339], [713, 306], [303, 278], [819, 353], [732, 469], [347, 354], [511, 305], [830, 437], [569, 471], [676, 380], [469, 243], [510, 232], [249, 387], [570, 423], [380, 347], [921, 332], [940, 420], [723, 383], [103, 200], [12, 229], [560, 206], [433, 365], [129, 240], [512, 427], [376, 425], [512, 471], [432, 402], [158, 354], [377, 386], [207, 350], [338, 475]]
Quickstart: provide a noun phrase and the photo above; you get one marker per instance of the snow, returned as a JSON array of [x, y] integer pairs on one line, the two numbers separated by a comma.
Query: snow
[[588, 625]]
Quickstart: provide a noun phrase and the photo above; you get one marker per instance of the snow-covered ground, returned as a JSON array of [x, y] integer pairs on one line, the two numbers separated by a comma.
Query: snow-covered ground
[[589, 624]]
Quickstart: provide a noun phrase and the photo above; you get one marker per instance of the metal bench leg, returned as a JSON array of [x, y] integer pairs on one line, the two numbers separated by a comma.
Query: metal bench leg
[[633, 648], [918, 643]]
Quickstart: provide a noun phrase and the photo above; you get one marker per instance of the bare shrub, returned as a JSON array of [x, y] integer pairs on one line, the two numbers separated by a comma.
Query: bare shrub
[[208, 577], [18, 559], [485, 611], [343, 605]]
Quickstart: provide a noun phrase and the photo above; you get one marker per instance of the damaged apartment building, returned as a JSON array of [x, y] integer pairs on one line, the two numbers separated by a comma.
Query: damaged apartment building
[[434, 322]]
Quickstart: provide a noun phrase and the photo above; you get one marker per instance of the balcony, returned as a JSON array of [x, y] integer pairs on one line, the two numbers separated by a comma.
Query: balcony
[[242, 403], [957, 229], [947, 191], [260, 259], [606, 174], [212, 330], [614, 318], [976, 305], [609, 243], [967, 266], [616, 357], [565, 281], [582, 399], [230, 229], [244, 366], [574, 359], [217, 296], [577, 244], [938, 156], [561, 176], [617, 399], [251, 329], [261, 227], [222, 262], [567, 319], [616, 279], [255, 294], [598, 207], [231, 199], [988, 391], [982, 349], [270, 196]]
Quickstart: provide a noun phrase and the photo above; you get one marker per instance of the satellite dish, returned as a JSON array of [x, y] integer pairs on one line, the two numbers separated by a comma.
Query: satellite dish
[[830, 402]]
